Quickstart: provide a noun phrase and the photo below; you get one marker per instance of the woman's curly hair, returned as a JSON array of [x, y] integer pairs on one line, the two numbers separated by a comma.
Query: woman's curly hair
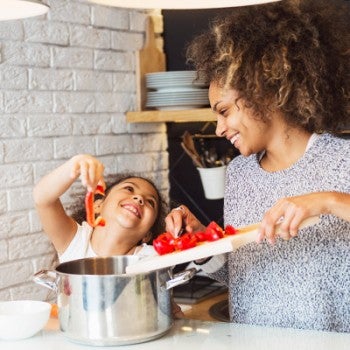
[[78, 213], [291, 55]]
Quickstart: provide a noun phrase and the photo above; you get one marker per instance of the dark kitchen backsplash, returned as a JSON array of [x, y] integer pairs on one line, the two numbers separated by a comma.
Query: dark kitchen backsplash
[[185, 184], [180, 27]]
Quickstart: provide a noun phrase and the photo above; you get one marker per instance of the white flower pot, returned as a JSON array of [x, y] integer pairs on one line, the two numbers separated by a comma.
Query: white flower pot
[[213, 181]]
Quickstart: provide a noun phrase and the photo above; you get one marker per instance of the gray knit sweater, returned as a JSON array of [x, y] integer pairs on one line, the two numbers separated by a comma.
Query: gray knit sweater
[[301, 283]]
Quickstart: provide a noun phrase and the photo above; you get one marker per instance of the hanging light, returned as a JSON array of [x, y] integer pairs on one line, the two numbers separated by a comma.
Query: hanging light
[[179, 4], [16, 9]]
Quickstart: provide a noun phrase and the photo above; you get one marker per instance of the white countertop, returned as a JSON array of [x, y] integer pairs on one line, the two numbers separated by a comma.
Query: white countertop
[[200, 335]]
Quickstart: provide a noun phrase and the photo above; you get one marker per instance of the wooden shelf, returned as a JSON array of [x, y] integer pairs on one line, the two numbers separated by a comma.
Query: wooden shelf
[[176, 116]]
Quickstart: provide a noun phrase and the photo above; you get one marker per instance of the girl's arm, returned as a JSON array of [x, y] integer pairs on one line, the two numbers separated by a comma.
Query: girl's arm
[[60, 227]]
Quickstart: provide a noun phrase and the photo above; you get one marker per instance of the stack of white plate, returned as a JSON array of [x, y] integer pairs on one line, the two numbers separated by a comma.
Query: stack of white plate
[[175, 90]]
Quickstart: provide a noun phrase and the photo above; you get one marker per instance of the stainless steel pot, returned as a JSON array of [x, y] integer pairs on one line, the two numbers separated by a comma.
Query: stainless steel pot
[[101, 305]]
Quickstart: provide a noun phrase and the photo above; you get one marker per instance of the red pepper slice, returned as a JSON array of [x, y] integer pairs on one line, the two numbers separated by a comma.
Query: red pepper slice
[[186, 241], [89, 207], [213, 232], [200, 236], [230, 230], [211, 235], [213, 225], [164, 243]]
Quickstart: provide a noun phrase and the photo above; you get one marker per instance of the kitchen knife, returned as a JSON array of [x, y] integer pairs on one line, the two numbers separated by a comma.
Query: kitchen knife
[[246, 235]]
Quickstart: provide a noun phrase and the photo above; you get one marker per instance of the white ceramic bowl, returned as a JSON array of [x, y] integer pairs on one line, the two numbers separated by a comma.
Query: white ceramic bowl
[[22, 318]]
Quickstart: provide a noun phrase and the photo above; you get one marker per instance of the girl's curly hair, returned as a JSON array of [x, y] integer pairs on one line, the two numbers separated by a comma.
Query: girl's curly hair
[[291, 55], [78, 212]]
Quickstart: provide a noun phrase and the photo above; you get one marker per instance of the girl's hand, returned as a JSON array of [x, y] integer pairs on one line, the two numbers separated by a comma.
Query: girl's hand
[[180, 219], [89, 169], [288, 213], [177, 312]]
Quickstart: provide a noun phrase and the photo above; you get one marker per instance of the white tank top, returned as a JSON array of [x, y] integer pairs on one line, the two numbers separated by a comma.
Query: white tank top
[[80, 246]]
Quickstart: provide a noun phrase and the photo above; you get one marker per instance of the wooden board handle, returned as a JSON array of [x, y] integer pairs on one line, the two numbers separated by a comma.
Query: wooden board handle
[[150, 40], [148, 60]]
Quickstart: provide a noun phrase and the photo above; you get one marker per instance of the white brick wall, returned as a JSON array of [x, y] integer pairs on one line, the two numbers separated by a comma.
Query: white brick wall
[[66, 81]]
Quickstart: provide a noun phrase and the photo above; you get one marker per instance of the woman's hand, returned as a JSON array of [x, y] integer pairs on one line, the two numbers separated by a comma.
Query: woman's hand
[[288, 213], [89, 169], [180, 219]]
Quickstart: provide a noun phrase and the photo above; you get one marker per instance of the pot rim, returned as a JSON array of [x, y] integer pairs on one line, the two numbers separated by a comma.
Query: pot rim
[[100, 258]]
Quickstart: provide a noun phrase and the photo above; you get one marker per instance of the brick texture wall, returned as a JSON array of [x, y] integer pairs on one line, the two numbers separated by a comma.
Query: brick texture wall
[[66, 81]]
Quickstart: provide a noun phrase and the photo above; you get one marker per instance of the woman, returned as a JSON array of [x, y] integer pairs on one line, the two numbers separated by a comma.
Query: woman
[[279, 87]]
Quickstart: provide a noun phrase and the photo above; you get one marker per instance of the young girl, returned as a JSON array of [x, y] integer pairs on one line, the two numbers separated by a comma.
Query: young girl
[[132, 209]]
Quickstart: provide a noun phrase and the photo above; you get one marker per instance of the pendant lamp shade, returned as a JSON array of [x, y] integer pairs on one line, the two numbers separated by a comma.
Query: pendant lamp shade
[[16, 9], [179, 4]]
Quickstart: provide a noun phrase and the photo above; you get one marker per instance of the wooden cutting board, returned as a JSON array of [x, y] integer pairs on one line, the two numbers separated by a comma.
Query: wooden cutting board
[[246, 235], [148, 60]]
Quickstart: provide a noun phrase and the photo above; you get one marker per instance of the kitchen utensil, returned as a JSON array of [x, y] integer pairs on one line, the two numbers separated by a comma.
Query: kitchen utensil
[[197, 161], [148, 60], [247, 235], [101, 305], [187, 139], [211, 158], [22, 319]]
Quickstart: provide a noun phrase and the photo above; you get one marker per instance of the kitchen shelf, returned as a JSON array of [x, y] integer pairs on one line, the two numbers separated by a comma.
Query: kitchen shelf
[[175, 116]]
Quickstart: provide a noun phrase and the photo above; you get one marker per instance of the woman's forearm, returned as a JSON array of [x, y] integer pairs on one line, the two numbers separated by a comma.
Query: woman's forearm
[[338, 204]]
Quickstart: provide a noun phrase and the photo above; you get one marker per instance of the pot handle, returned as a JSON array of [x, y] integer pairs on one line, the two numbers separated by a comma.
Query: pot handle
[[180, 278], [47, 279]]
